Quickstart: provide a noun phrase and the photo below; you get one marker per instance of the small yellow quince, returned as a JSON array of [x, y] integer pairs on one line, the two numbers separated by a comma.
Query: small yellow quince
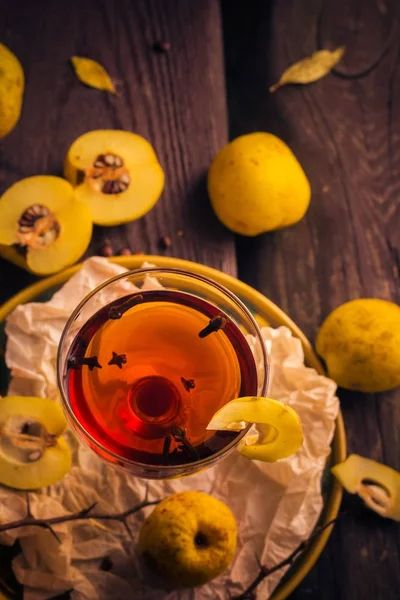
[[279, 431], [189, 539], [360, 343], [11, 90], [256, 184]]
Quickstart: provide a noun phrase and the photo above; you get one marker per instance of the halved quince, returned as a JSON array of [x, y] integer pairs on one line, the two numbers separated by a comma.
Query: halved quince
[[116, 173], [279, 431], [377, 484], [32, 453], [43, 228]]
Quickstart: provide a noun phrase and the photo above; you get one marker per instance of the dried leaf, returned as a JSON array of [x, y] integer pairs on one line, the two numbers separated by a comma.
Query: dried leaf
[[92, 73], [310, 69]]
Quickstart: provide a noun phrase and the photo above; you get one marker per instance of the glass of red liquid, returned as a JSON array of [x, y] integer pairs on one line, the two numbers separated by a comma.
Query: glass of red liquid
[[144, 362]]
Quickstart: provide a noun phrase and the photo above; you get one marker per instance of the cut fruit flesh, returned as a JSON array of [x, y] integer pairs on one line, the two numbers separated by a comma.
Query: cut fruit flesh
[[116, 173], [139, 198], [24, 439], [48, 469], [38, 227], [41, 409], [42, 217], [378, 485], [278, 426], [132, 148], [31, 453]]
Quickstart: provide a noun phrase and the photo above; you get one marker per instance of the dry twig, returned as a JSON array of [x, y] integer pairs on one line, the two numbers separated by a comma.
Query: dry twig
[[29, 520], [249, 593]]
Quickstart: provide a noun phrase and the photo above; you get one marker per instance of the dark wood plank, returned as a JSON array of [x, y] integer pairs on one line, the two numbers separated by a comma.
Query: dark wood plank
[[176, 100], [346, 134]]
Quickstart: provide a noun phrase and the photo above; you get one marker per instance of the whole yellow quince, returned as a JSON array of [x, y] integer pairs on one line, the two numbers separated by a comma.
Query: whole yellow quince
[[360, 343], [189, 539], [256, 184], [11, 90]]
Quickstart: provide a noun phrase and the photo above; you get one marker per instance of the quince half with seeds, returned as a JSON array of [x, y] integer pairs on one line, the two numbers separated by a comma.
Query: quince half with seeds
[[11, 90], [43, 228], [32, 453], [189, 539], [116, 173]]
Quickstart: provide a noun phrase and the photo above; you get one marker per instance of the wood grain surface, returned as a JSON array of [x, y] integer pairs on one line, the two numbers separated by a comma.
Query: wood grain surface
[[346, 134], [344, 130], [176, 100]]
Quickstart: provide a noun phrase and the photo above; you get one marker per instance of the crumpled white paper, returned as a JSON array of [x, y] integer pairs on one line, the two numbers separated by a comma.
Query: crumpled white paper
[[276, 505]]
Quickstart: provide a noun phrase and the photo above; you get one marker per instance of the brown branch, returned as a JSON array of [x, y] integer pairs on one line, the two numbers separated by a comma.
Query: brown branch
[[29, 520], [249, 594], [265, 571]]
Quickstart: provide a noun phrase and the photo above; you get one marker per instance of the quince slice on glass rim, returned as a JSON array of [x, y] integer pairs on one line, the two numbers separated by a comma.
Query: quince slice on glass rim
[[116, 173], [43, 228], [32, 452], [279, 427], [377, 485]]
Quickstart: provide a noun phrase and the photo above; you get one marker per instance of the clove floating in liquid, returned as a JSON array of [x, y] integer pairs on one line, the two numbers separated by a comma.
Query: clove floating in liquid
[[188, 384], [116, 312], [214, 325], [77, 361], [118, 359]]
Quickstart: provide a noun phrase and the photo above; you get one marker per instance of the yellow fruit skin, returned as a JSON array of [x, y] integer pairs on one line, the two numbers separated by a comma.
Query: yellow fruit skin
[[356, 470], [74, 218], [279, 429], [56, 460], [11, 90], [256, 184], [147, 175], [360, 343], [167, 539], [55, 463]]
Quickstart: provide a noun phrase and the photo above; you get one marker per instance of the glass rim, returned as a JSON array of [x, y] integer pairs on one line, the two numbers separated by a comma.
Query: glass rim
[[144, 271]]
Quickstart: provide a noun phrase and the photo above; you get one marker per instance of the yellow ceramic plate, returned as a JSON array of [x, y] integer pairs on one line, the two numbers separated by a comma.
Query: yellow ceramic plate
[[267, 313]]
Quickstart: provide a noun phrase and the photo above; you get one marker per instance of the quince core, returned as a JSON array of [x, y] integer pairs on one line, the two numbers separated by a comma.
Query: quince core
[[32, 453], [116, 173]]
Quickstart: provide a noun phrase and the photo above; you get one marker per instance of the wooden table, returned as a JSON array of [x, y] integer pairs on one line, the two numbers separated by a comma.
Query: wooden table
[[345, 130]]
